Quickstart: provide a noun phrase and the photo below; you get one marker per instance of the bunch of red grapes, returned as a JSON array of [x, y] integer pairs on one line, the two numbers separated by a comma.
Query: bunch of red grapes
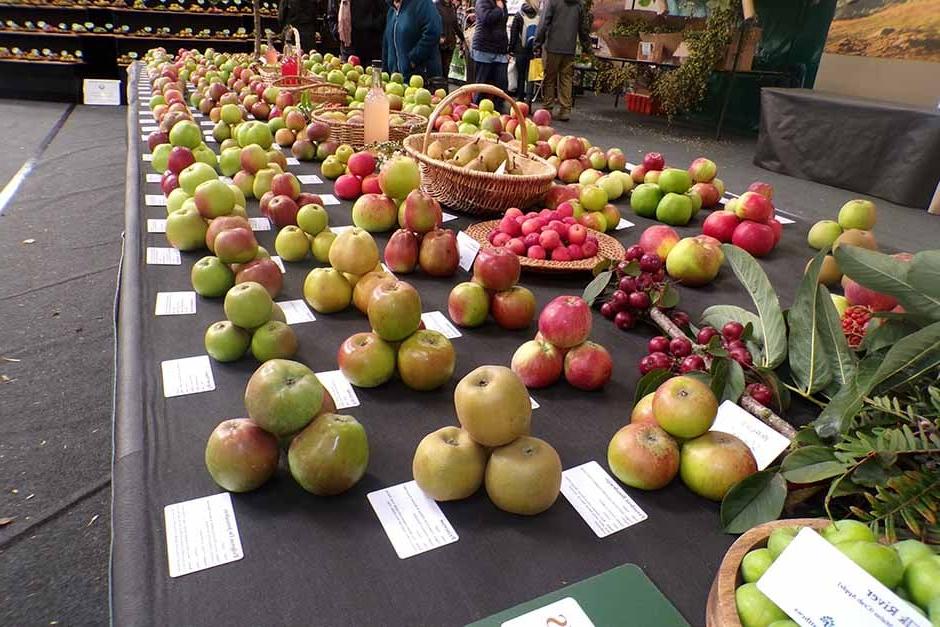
[[634, 295]]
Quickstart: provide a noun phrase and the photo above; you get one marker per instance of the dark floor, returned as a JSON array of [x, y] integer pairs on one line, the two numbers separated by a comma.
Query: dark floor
[[62, 237]]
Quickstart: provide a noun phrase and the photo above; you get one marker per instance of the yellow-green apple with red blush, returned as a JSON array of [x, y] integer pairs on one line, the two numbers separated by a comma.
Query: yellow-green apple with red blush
[[448, 465], [241, 456], [327, 290], [211, 278], [693, 262], [754, 206], [399, 176], [513, 308], [282, 396], [708, 193], [224, 223], [426, 360], [291, 244], [366, 360], [642, 455], [248, 305], [493, 405], [186, 229], [286, 184], [538, 363], [330, 455], [702, 170], [273, 340], [643, 411], [394, 310], [468, 304], [713, 463], [226, 342], [362, 291], [685, 407], [375, 213], [659, 239], [236, 245]]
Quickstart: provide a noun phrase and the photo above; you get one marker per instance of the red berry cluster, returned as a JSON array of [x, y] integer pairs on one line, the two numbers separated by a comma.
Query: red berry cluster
[[760, 393], [633, 296], [731, 340], [854, 323], [674, 355], [547, 234]]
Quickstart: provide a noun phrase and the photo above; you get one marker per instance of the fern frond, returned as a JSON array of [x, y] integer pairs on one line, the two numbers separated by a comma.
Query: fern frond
[[910, 500], [886, 443]]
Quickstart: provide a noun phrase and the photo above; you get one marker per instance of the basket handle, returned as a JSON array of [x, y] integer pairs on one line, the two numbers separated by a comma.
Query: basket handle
[[298, 51], [474, 88]]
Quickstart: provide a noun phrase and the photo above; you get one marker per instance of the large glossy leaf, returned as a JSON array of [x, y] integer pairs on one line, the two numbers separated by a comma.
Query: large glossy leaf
[[719, 315], [808, 362], [770, 329], [755, 500], [835, 347], [887, 334], [734, 386], [924, 272], [884, 274], [810, 464], [909, 357], [848, 400], [596, 287], [649, 382]]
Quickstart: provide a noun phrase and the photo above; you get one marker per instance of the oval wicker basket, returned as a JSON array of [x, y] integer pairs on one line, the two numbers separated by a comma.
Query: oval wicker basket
[[470, 191], [607, 248], [721, 609], [353, 133]]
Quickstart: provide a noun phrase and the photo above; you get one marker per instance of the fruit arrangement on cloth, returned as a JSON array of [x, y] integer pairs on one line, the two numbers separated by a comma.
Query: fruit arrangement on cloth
[[492, 447], [492, 291], [327, 453], [350, 254], [854, 227], [705, 183], [645, 454], [573, 156], [547, 234], [748, 221], [665, 194], [254, 321], [561, 346], [678, 355]]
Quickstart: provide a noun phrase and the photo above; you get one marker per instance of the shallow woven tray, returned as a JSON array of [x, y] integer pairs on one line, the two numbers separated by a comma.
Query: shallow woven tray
[[353, 133], [607, 248]]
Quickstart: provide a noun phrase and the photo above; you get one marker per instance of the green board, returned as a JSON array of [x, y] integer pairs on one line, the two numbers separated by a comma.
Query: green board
[[621, 597]]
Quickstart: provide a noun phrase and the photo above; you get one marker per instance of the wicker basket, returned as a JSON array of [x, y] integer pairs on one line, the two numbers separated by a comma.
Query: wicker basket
[[721, 609], [469, 191], [353, 133]]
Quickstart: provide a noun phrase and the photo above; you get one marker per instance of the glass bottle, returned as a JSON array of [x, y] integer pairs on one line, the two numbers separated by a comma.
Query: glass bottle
[[375, 111]]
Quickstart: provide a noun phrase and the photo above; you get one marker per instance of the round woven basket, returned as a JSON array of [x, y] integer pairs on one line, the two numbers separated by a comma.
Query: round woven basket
[[607, 248], [353, 133], [721, 609], [470, 191]]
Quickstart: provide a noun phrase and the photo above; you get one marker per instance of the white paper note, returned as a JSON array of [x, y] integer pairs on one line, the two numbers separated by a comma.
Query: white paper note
[[296, 311], [412, 520], [155, 200], [292, 161], [226, 179], [340, 229], [765, 443], [143, 137], [783, 219], [436, 321], [535, 403], [623, 224], [600, 500], [201, 533], [146, 157], [468, 249], [447, 217], [629, 166], [197, 114], [149, 128], [153, 177], [209, 139], [190, 375], [175, 303], [162, 256], [280, 264], [259, 224], [207, 123], [309, 179], [156, 225], [565, 612], [339, 388], [329, 199]]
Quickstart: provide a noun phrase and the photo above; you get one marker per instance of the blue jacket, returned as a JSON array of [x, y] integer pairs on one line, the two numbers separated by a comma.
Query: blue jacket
[[412, 35]]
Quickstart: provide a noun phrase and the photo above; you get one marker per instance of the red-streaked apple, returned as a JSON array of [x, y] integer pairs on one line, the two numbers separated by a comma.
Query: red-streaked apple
[[538, 363], [643, 456]]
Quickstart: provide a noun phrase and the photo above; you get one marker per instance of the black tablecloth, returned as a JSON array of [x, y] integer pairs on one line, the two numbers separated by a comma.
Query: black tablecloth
[[327, 561], [883, 149]]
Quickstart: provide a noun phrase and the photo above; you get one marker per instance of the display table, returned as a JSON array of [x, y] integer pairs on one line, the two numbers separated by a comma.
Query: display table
[[327, 561], [882, 149]]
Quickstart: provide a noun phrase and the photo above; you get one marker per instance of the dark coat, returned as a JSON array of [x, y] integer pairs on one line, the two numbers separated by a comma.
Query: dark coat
[[490, 32], [296, 12], [563, 23], [516, 43], [368, 21], [450, 28], [412, 39]]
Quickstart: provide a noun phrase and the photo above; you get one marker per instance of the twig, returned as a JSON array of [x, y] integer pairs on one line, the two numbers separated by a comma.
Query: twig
[[768, 417], [668, 327]]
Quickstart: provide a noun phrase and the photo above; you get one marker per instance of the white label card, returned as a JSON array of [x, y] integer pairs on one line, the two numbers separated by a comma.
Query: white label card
[[339, 388], [783, 220], [340, 229], [201, 533], [599, 500], [565, 612], [207, 123], [101, 91], [629, 166], [209, 139], [296, 311], [143, 137], [146, 157], [226, 179], [447, 217], [197, 114], [436, 321], [156, 225], [149, 128], [153, 177], [833, 591], [280, 264], [259, 224], [329, 199], [175, 303], [157, 256], [155, 200], [413, 521], [765, 443], [292, 161], [535, 403], [623, 224], [722, 201], [468, 248], [309, 179], [190, 375]]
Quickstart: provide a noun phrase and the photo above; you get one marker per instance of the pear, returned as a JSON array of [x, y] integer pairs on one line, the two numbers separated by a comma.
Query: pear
[[493, 155], [467, 153], [477, 164], [436, 150], [449, 153]]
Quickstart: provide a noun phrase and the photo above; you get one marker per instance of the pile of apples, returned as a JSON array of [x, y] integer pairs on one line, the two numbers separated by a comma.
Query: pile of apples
[[253, 321], [666, 194], [309, 234], [572, 156], [492, 447], [853, 226], [351, 254], [328, 452], [693, 261], [748, 221], [561, 346], [358, 173], [645, 454], [547, 234], [492, 291]]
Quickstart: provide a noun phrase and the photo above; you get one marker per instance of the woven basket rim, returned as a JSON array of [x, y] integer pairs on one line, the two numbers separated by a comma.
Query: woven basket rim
[[415, 118], [549, 173]]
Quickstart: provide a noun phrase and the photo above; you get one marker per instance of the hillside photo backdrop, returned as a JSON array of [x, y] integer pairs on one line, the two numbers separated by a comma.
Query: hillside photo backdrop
[[893, 29]]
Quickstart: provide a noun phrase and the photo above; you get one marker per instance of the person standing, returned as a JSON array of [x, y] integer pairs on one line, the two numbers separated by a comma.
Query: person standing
[[451, 32], [522, 42], [301, 14], [562, 24], [412, 38], [469, 28], [358, 25], [490, 49]]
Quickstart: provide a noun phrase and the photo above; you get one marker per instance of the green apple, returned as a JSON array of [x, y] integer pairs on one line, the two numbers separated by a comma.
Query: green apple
[[922, 580], [214, 198], [230, 114], [248, 305], [755, 564], [675, 181], [161, 158], [186, 230], [239, 197], [332, 168], [754, 608], [205, 155], [855, 214], [312, 219], [262, 182], [644, 200], [230, 161], [330, 455], [273, 340], [344, 152], [366, 360], [847, 531], [174, 202], [911, 550], [186, 133], [291, 243], [841, 303], [283, 396], [226, 342], [321, 244], [823, 234], [327, 290], [211, 278], [880, 561], [674, 209], [194, 174], [612, 185], [593, 198], [779, 539]]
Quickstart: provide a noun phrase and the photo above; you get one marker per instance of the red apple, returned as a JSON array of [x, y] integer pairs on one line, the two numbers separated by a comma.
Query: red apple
[[653, 161], [720, 225], [588, 366], [659, 240], [754, 206], [306, 198], [285, 184], [361, 164], [401, 252], [179, 159], [236, 246], [282, 211], [566, 321], [538, 363], [263, 271], [754, 237], [708, 193], [438, 255], [420, 212], [513, 308], [638, 174], [764, 189], [347, 187], [223, 223], [370, 184], [497, 269]]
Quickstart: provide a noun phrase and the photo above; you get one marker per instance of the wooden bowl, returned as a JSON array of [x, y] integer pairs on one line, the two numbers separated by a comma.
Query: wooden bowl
[[607, 248], [721, 609]]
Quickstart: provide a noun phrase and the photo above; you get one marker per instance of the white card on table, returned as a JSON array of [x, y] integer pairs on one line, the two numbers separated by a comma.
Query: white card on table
[[296, 311], [765, 443], [201, 533], [162, 256], [259, 224], [815, 584], [340, 229], [722, 201], [155, 200], [280, 264], [190, 375], [447, 217], [436, 321], [156, 225], [197, 114], [146, 157], [175, 303], [468, 248], [629, 166], [209, 139], [292, 161], [565, 612], [599, 500], [339, 388], [623, 224], [149, 128], [309, 179], [387, 269], [329, 199], [413, 521], [535, 403], [207, 123], [153, 177], [143, 137], [783, 220]]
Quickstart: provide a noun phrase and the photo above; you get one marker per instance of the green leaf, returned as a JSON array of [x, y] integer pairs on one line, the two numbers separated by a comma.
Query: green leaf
[[719, 315], [886, 334], [698, 375], [848, 401], [810, 464], [770, 328], [596, 287], [835, 348], [753, 501], [601, 266], [884, 274], [669, 297], [808, 363], [719, 374], [919, 351], [924, 272], [649, 382], [734, 388]]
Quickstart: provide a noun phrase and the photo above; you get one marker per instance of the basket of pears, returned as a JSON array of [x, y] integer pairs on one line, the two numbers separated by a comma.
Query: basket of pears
[[474, 174]]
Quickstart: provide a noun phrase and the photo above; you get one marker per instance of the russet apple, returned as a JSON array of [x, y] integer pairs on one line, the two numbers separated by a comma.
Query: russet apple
[[566, 321], [496, 269], [493, 405], [426, 360], [713, 463], [354, 251], [643, 456], [366, 360], [241, 456], [468, 304], [330, 455], [282, 396], [394, 310], [513, 308], [588, 366], [438, 255], [448, 465], [524, 476], [327, 290], [401, 251], [538, 363]]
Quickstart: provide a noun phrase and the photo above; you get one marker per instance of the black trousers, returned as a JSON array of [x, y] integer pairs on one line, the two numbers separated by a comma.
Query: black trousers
[[367, 45], [522, 80], [446, 55], [492, 74]]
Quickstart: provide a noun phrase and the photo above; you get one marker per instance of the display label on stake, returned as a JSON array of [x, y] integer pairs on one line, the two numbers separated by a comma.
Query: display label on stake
[[309, 179], [468, 248], [565, 612], [339, 388], [155, 200], [156, 225], [201, 533], [163, 256], [189, 375], [175, 303], [296, 311], [436, 321], [413, 521], [765, 443], [259, 224], [599, 500], [816, 584]]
